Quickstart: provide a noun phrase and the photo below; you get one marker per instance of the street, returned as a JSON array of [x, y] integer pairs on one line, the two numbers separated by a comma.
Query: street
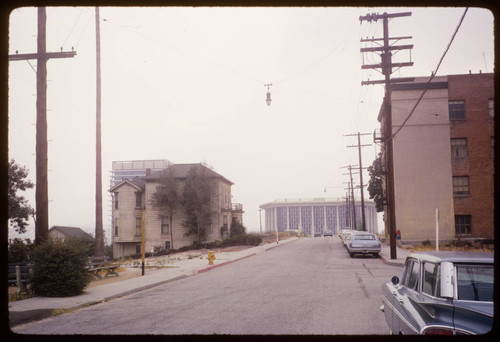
[[310, 286]]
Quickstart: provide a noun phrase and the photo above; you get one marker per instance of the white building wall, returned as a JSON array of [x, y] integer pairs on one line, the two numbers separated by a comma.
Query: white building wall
[[422, 165]]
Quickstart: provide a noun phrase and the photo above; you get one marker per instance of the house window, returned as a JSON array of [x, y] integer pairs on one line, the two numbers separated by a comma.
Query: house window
[[116, 200], [461, 186], [491, 108], [137, 249], [463, 224], [116, 227], [456, 110], [138, 225], [165, 225], [138, 200], [167, 245], [459, 148]]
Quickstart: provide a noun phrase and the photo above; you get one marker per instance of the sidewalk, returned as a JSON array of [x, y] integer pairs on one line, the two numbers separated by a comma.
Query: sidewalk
[[37, 308], [385, 254]]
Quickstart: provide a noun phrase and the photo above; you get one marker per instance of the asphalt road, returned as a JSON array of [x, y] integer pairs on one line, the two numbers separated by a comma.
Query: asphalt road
[[310, 286]]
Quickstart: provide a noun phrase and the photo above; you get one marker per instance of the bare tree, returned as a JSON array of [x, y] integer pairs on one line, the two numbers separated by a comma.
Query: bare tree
[[167, 198]]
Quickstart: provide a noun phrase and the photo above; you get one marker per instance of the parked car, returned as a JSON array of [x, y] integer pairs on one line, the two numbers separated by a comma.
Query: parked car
[[345, 235], [441, 293], [363, 243], [327, 233]]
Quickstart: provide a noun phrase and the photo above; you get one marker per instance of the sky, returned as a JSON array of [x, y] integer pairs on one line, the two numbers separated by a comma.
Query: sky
[[188, 85]]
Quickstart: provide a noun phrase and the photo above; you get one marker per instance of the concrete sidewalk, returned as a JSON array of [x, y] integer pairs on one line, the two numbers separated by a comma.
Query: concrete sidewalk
[[37, 308]]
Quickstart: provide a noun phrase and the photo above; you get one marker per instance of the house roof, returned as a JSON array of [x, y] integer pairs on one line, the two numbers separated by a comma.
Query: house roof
[[74, 232], [136, 182], [181, 171]]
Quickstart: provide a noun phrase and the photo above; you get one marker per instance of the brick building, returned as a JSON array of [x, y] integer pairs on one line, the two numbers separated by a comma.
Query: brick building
[[472, 100], [443, 156]]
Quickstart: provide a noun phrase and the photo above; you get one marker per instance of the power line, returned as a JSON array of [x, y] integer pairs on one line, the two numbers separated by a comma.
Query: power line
[[432, 75]]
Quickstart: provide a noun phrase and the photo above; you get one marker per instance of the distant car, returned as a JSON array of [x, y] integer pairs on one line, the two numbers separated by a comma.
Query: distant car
[[327, 233], [441, 293], [346, 235], [317, 234], [363, 243]]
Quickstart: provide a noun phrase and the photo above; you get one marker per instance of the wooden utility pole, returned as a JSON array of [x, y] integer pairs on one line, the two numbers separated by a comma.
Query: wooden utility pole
[[41, 187], [99, 232], [386, 65], [363, 219]]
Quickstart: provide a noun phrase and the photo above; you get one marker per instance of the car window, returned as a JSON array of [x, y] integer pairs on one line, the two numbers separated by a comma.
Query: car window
[[475, 282], [432, 279], [364, 237], [411, 274]]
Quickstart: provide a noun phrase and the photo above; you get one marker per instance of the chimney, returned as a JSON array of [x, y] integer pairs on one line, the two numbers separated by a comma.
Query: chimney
[[148, 172]]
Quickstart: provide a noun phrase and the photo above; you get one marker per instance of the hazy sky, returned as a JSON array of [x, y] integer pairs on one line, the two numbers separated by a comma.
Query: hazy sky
[[187, 85]]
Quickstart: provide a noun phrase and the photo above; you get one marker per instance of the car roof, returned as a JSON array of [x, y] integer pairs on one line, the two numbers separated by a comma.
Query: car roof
[[454, 256]]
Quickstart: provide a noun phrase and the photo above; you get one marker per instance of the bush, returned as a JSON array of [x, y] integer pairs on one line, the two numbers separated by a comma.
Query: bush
[[243, 239], [60, 269]]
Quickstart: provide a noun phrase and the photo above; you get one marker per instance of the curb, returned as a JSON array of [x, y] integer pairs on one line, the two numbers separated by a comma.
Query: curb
[[22, 317]]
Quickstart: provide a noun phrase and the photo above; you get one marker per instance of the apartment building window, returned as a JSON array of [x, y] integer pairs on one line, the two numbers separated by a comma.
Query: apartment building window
[[138, 200], [461, 186], [165, 224], [456, 110], [491, 108], [138, 225], [116, 200], [463, 224], [459, 147]]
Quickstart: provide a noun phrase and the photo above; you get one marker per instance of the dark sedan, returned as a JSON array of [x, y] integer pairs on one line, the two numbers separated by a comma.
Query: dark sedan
[[443, 293]]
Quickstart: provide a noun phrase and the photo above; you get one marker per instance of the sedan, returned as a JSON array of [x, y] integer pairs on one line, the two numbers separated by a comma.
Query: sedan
[[363, 243], [441, 293], [328, 233]]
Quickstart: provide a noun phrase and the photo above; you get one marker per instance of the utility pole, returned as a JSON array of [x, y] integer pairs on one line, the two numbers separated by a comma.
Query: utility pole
[[99, 232], [363, 220], [41, 187], [386, 65], [351, 189]]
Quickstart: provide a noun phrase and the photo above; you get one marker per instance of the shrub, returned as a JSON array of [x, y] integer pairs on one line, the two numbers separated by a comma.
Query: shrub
[[59, 269]]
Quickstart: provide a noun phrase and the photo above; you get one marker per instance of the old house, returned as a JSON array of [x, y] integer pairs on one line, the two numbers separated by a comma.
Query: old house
[[132, 198], [63, 233]]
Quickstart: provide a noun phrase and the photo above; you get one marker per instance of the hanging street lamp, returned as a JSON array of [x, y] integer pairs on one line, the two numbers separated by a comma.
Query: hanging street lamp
[[268, 95]]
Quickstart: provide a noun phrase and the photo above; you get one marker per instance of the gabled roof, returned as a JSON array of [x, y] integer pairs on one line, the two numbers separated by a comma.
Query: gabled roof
[[73, 232], [181, 171], [136, 182]]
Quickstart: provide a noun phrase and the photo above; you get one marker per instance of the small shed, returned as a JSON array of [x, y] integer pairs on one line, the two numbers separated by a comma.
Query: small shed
[[62, 233]]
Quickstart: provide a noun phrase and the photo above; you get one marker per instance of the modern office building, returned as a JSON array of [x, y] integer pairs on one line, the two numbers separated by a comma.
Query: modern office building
[[122, 170], [443, 156], [312, 216]]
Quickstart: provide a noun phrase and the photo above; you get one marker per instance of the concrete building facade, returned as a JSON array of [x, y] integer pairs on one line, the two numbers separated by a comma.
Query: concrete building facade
[[132, 197], [441, 152], [312, 216]]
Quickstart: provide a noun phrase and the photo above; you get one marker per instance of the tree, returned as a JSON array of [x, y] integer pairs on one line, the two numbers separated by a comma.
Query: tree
[[375, 185], [167, 198], [197, 199], [18, 207]]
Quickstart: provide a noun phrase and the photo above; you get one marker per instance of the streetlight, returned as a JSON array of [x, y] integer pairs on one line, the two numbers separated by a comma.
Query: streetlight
[[268, 95]]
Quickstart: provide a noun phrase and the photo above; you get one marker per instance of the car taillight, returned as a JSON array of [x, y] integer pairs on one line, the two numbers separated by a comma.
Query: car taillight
[[438, 331]]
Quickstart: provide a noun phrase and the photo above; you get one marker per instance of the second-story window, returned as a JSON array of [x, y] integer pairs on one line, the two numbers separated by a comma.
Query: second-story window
[[461, 186], [491, 108], [116, 200], [138, 225], [138, 200]]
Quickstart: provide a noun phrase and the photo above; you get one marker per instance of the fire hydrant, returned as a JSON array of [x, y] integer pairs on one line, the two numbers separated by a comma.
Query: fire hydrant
[[211, 258]]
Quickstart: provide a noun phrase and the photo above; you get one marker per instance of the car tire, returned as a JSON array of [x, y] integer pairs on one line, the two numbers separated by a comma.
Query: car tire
[[376, 255], [351, 254]]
